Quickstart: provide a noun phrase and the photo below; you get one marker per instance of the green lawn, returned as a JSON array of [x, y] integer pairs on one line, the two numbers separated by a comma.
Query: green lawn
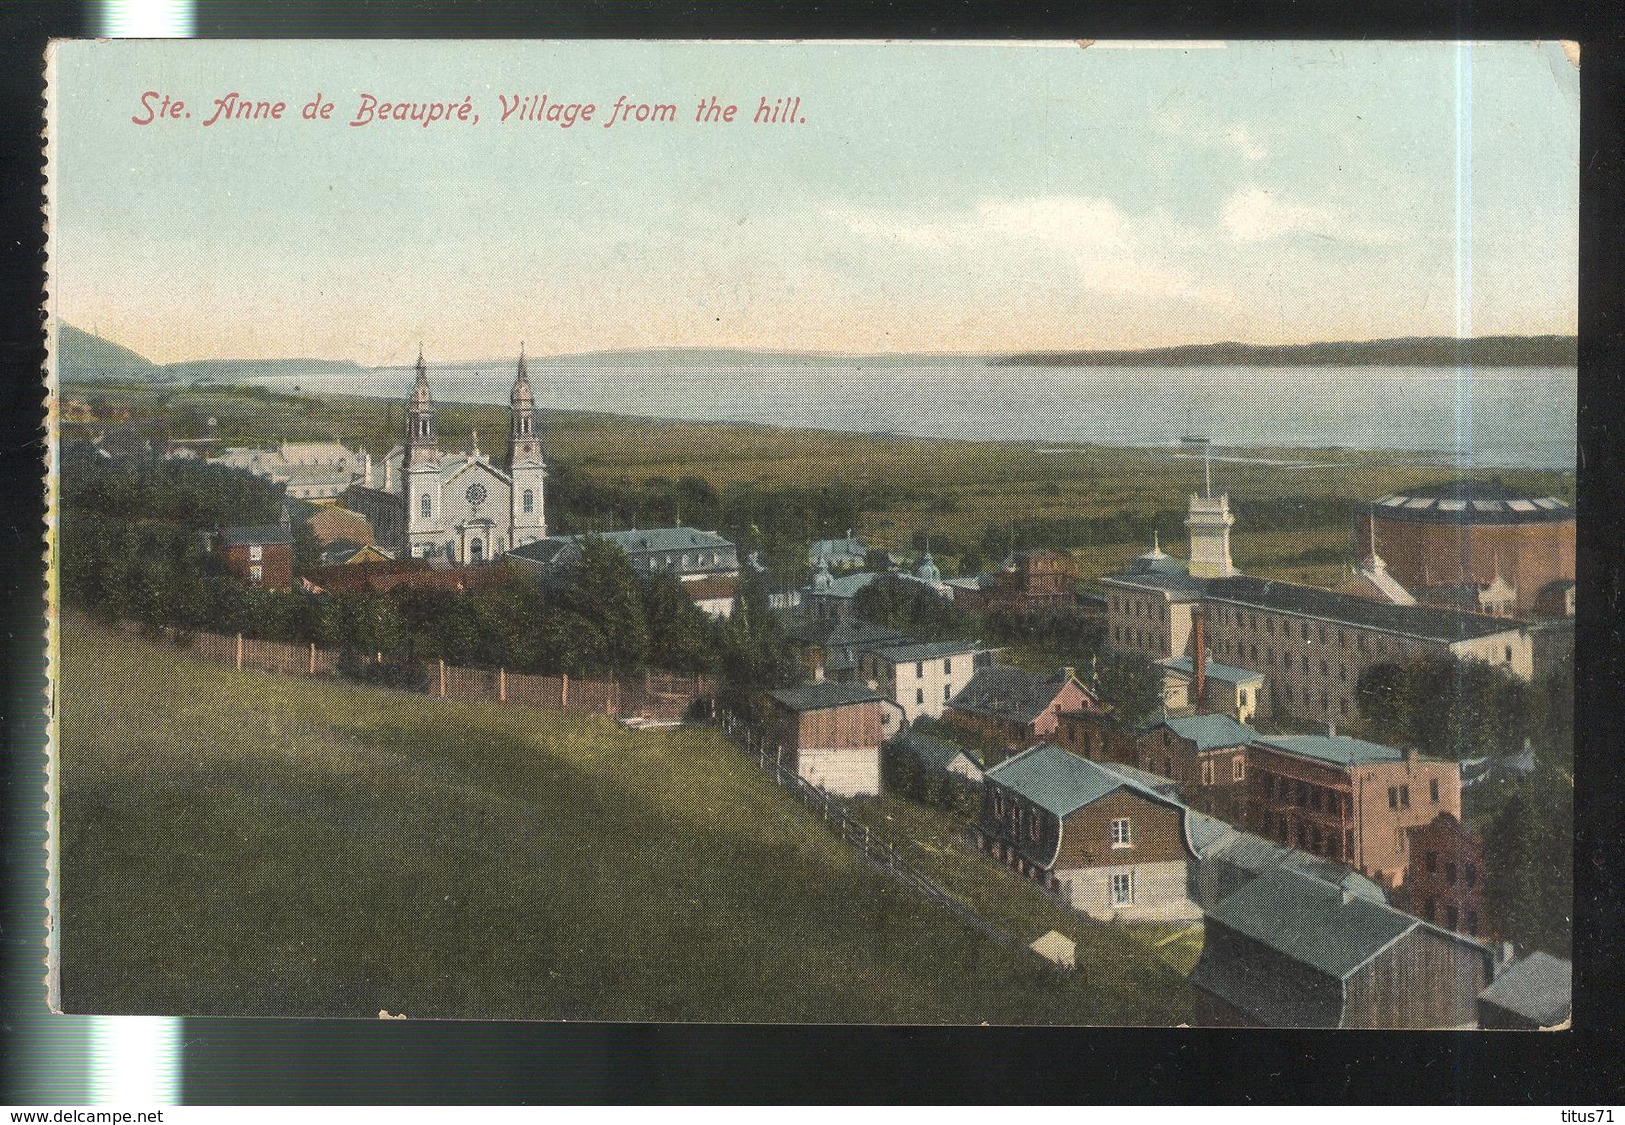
[[254, 845]]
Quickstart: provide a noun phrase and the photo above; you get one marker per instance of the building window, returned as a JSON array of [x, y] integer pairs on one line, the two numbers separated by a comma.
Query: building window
[[255, 574], [1122, 835], [1325, 669], [1450, 873], [1269, 625], [426, 506], [1238, 768], [1393, 797], [527, 501], [947, 667], [1343, 706], [1305, 665], [1207, 773], [1450, 917], [1404, 796], [1471, 874], [1342, 673], [919, 669], [919, 695], [1241, 697], [1433, 790], [1472, 924], [1509, 654], [947, 692], [256, 553], [1123, 889]]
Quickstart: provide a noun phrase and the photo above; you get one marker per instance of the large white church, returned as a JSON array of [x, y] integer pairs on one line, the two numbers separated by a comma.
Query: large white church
[[456, 509]]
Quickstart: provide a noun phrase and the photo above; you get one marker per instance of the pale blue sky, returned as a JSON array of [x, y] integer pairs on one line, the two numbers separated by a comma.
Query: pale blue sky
[[939, 198]]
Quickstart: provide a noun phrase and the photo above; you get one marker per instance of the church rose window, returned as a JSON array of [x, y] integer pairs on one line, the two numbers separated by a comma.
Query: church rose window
[[475, 494]]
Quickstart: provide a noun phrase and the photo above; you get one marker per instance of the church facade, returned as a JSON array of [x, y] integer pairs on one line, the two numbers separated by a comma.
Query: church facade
[[457, 509]]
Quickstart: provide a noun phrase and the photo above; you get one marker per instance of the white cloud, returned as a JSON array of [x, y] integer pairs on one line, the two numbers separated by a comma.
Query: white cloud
[[1245, 143], [1256, 214], [1089, 239]]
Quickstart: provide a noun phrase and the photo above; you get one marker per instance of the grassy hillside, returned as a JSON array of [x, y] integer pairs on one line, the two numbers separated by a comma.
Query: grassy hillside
[[252, 845]]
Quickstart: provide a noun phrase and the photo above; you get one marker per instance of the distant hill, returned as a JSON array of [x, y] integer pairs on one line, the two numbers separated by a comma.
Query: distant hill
[[82, 357], [1410, 351]]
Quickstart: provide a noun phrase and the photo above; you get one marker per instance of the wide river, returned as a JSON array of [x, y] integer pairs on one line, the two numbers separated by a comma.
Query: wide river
[[1520, 417]]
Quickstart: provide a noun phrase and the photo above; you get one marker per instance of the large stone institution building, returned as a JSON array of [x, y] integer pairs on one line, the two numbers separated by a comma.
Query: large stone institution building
[[1309, 644], [456, 508]]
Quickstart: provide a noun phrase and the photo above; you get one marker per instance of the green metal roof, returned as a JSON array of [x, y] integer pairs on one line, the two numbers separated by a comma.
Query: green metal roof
[[1061, 782], [1312, 922], [1338, 749], [1539, 988], [1210, 732], [1224, 673]]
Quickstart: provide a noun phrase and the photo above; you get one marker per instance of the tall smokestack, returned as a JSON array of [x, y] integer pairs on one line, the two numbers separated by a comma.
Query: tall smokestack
[[1198, 660]]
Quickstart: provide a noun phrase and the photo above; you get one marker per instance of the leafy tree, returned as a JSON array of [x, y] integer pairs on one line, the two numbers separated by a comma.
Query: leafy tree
[[602, 588], [1444, 707], [680, 634], [912, 608], [1132, 685], [1529, 881]]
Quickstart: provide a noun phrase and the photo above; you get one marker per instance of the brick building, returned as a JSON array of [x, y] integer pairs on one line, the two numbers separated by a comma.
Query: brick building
[[1015, 709], [1445, 880], [1346, 799], [261, 557]]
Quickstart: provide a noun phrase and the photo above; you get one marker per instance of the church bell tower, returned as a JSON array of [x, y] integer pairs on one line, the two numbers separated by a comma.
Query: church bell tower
[[524, 463], [420, 470]]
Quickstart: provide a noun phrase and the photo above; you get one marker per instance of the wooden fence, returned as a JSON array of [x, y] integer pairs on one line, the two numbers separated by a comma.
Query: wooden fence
[[660, 697], [879, 851]]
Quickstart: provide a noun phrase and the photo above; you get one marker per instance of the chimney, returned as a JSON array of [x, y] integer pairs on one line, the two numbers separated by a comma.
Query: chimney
[[1199, 661]]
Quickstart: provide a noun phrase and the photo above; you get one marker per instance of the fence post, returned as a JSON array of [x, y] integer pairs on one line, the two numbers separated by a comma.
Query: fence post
[[442, 679], [564, 690], [502, 685], [312, 658], [239, 652]]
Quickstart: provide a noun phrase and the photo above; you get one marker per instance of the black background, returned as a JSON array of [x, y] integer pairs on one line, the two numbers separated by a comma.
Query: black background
[[244, 1061]]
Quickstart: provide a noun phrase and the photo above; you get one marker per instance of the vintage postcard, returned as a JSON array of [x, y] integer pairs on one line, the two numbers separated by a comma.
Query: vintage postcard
[[1018, 533]]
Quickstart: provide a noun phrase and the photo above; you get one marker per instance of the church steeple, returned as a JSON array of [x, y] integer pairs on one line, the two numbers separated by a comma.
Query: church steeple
[[420, 435], [523, 445]]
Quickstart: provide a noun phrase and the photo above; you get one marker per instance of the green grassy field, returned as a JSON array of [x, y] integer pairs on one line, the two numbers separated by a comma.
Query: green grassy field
[[254, 845], [962, 486]]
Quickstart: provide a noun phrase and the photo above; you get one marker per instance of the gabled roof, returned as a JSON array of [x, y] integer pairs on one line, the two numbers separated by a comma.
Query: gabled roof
[[264, 535], [824, 695], [1215, 841], [665, 539], [936, 753], [1211, 732], [1313, 922], [848, 585], [1334, 749], [1539, 988], [549, 551], [1060, 782], [834, 547], [845, 632], [1003, 692]]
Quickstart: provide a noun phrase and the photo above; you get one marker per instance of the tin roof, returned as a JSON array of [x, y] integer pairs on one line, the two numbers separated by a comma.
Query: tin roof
[[1313, 922], [1426, 622], [1061, 782], [824, 695], [1003, 692], [927, 650], [1335, 749], [1210, 732], [1224, 673], [1539, 988]]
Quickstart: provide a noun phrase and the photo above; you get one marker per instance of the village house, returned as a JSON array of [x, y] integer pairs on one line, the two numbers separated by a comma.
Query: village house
[[307, 470], [1217, 688], [1289, 950], [1097, 734], [385, 576], [1108, 845], [1346, 799], [839, 554], [1536, 994], [705, 565], [1206, 755], [936, 756], [1025, 582], [829, 648], [261, 557], [1015, 709], [829, 734], [1444, 882], [922, 678]]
